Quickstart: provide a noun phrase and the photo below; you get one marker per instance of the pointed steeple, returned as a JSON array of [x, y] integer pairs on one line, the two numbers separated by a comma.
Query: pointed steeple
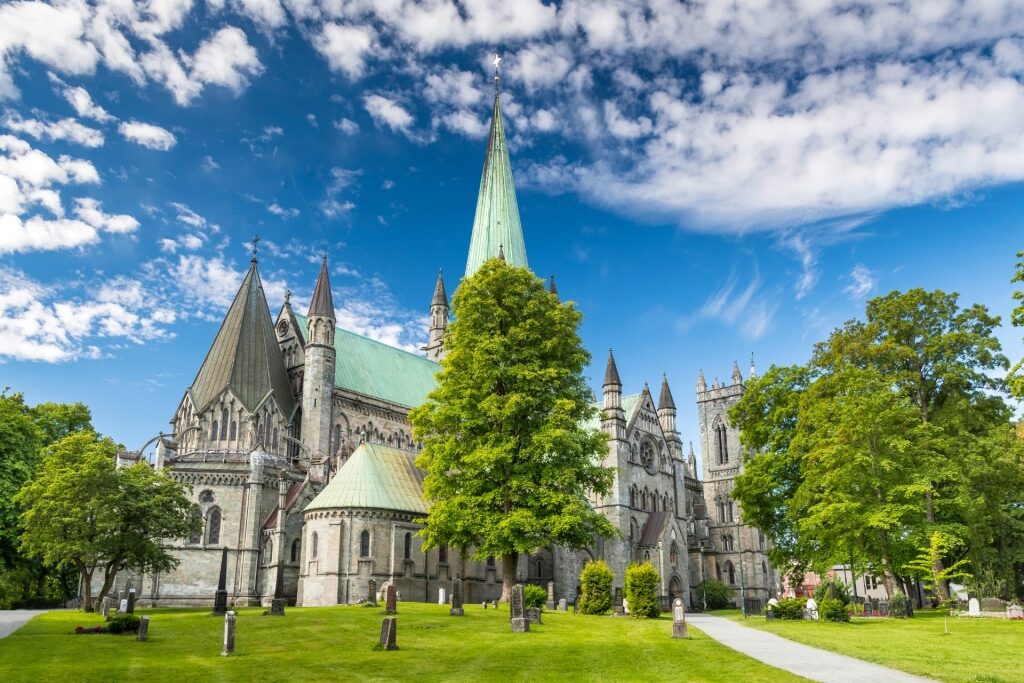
[[665, 399], [438, 320], [611, 372], [496, 225], [702, 385], [322, 303], [553, 288], [245, 356], [440, 295], [737, 378], [753, 370]]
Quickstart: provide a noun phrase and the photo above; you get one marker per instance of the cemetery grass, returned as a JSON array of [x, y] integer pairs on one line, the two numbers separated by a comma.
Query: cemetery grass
[[975, 651], [336, 643]]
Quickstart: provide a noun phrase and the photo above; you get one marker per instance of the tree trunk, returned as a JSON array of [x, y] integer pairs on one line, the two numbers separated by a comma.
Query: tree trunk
[[508, 575], [86, 575], [109, 574]]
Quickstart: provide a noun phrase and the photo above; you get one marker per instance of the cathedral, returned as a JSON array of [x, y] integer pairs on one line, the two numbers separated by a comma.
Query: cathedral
[[294, 437]]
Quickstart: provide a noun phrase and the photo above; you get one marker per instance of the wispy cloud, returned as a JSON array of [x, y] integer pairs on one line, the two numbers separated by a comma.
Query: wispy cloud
[[862, 282], [744, 307]]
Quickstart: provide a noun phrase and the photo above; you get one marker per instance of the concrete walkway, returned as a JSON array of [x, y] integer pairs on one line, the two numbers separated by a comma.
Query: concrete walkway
[[802, 660], [13, 619]]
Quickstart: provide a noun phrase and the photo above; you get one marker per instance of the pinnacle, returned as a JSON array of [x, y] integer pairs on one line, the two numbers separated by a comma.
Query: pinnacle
[[611, 372]]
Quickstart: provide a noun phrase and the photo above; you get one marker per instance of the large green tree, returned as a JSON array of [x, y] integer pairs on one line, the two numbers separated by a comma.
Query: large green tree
[[82, 510], [509, 460], [1016, 374]]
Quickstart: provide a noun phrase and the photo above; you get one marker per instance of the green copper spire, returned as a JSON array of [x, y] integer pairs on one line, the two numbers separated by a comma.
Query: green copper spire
[[496, 225]]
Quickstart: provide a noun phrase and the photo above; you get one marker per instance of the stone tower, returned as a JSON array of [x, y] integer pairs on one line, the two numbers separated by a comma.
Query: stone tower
[[318, 374], [438, 320], [738, 551]]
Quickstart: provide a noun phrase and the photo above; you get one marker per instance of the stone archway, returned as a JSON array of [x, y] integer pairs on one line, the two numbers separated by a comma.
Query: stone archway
[[675, 590]]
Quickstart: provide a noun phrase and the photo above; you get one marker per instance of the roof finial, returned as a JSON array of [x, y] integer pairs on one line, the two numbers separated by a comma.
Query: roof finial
[[501, 253], [255, 243], [287, 297], [497, 75]]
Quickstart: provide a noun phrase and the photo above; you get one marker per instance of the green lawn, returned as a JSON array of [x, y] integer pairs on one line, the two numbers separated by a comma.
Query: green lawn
[[335, 643], [976, 650]]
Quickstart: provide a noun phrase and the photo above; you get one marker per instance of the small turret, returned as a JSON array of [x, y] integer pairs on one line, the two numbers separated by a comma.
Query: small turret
[[318, 372], [553, 288], [438, 320], [691, 461], [501, 253], [667, 409], [702, 386], [614, 421], [737, 378]]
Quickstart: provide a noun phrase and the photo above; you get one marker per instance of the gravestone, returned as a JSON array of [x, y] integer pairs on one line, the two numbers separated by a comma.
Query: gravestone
[[679, 620], [484, 604], [520, 624], [388, 627], [131, 601], [811, 611], [973, 608], [625, 606], [993, 605], [1014, 612], [562, 604], [220, 598], [618, 602], [456, 610], [229, 634], [278, 603], [533, 615], [144, 628], [551, 595], [494, 603], [277, 607], [371, 592], [391, 601], [123, 607], [442, 596]]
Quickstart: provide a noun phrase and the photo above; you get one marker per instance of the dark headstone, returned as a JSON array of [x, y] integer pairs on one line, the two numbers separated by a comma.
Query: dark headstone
[[551, 595], [533, 615], [371, 592], [619, 608], [144, 628], [220, 598], [517, 607], [456, 610], [388, 629], [229, 634], [391, 601], [277, 607], [131, 601], [679, 620]]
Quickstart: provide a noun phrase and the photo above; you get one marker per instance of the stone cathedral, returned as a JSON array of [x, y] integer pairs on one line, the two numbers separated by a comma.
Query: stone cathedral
[[295, 439]]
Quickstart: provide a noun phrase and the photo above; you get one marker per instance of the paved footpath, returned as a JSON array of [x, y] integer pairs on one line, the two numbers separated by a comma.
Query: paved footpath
[[13, 619], [802, 660]]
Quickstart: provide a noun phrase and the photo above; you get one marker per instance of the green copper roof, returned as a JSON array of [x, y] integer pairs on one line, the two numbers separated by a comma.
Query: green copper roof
[[496, 223], [630, 404], [378, 477], [244, 355], [377, 370]]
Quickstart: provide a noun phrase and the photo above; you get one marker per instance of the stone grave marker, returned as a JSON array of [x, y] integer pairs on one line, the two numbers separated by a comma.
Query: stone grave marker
[[278, 603], [811, 611], [551, 595], [388, 629], [520, 624], [229, 634], [442, 596], [144, 628], [220, 598], [993, 605], [484, 604], [562, 605], [625, 606], [456, 610], [123, 607], [1014, 612], [131, 601], [618, 602], [494, 603], [533, 615], [371, 592], [973, 608], [679, 620], [391, 602]]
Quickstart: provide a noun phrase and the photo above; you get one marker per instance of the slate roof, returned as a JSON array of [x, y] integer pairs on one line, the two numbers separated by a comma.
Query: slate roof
[[378, 477], [665, 400], [322, 303], [652, 529], [496, 225], [374, 369], [244, 356], [630, 406]]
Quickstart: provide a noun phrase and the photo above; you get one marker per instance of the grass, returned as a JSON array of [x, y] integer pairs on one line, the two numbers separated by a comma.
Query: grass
[[975, 651], [336, 643]]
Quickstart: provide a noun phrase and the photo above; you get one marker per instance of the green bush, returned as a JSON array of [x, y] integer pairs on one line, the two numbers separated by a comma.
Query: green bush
[[791, 609], [821, 593], [534, 596], [833, 610], [715, 593], [123, 623], [595, 588], [898, 606], [642, 590]]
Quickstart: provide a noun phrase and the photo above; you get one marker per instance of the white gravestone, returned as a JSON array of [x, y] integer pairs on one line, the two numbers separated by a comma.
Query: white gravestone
[[973, 608], [812, 609], [442, 596], [123, 607]]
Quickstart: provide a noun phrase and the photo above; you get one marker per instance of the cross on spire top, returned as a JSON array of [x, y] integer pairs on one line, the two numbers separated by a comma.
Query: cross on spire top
[[497, 71], [255, 244]]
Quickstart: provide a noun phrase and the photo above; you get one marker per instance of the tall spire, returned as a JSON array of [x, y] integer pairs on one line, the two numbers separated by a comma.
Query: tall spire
[[611, 372], [553, 288], [665, 399], [737, 378], [322, 303], [438, 320], [440, 296], [496, 224]]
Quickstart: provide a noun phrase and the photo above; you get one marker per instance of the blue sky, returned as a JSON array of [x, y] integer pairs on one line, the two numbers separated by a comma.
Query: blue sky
[[707, 181]]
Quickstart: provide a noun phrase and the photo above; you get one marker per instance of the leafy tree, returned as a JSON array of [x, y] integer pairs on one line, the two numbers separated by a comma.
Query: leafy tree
[[57, 420], [509, 463], [595, 588], [715, 594], [1015, 378], [82, 510], [824, 591], [641, 590], [20, 440], [927, 566]]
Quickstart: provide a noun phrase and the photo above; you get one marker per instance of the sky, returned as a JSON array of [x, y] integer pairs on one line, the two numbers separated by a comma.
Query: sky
[[708, 181]]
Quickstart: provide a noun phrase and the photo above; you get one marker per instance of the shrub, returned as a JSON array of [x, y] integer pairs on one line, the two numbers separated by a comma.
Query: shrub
[[534, 596], [595, 588], [715, 593], [833, 610], [642, 590], [791, 609], [898, 606], [821, 593], [123, 623]]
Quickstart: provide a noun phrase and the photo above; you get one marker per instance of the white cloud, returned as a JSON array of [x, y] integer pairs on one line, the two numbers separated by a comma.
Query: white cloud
[[147, 135], [345, 47], [90, 211], [278, 210], [347, 126], [187, 216], [744, 308], [81, 101], [387, 112], [209, 165], [42, 234], [65, 129], [226, 59], [862, 282]]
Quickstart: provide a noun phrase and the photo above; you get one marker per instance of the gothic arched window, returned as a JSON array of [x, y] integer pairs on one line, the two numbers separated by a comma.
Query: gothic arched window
[[213, 431], [764, 573], [275, 438], [408, 545], [337, 438], [760, 539], [490, 562], [364, 544], [213, 526], [197, 536], [234, 431], [721, 443], [268, 551], [296, 547], [673, 554], [730, 572], [442, 554], [223, 423], [314, 542]]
